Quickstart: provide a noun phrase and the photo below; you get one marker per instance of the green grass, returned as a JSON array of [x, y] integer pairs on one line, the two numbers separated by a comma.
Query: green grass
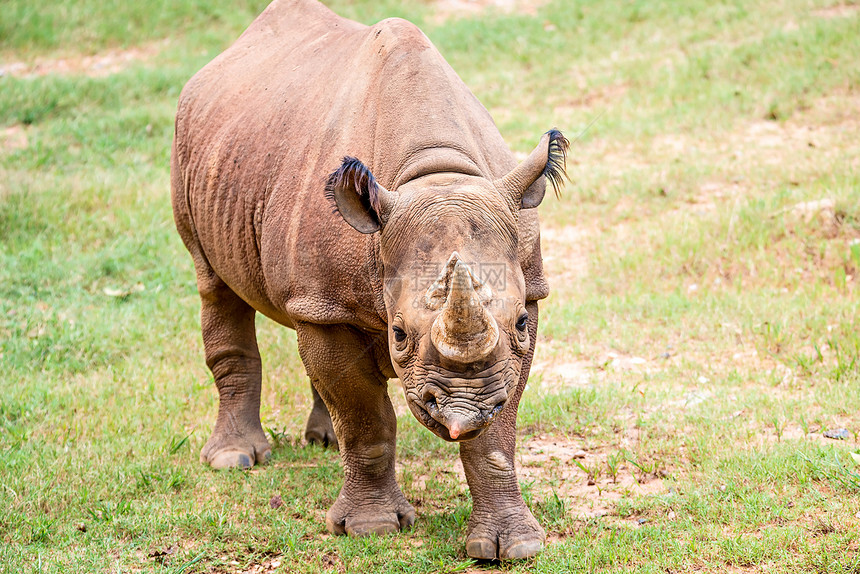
[[713, 122]]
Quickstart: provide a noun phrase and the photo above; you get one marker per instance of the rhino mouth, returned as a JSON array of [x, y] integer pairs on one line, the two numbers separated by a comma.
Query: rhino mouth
[[428, 412], [431, 411], [458, 408], [425, 414]]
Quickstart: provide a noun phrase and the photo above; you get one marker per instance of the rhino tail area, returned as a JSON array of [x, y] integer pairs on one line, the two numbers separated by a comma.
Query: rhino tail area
[[179, 192]]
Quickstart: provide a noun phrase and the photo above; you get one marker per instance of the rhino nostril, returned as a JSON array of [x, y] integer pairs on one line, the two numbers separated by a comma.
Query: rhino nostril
[[495, 410], [430, 402]]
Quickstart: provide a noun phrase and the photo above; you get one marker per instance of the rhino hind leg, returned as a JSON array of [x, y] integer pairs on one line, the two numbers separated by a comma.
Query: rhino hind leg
[[230, 342], [319, 429], [501, 526], [356, 394]]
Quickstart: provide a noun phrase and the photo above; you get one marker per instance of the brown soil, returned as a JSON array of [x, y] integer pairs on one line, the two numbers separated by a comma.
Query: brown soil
[[13, 138], [94, 65], [838, 11]]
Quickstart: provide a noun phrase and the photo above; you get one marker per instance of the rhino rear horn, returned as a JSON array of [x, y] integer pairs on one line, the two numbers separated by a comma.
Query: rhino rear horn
[[360, 199], [526, 183]]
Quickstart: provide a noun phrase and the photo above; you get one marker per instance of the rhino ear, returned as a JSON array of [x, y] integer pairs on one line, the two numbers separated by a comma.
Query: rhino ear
[[361, 201], [526, 183]]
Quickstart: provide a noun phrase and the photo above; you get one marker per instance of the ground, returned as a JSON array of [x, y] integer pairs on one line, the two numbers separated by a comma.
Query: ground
[[698, 350]]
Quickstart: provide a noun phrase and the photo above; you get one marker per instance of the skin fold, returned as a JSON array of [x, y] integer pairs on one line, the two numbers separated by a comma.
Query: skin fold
[[343, 181]]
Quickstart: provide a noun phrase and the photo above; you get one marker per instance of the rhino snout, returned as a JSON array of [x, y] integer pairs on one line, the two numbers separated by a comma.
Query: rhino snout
[[460, 419]]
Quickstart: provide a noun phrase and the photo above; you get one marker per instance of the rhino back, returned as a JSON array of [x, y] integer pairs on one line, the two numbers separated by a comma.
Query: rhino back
[[259, 129]]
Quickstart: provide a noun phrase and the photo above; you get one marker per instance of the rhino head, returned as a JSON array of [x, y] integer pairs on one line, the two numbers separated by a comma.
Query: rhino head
[[453, 285]]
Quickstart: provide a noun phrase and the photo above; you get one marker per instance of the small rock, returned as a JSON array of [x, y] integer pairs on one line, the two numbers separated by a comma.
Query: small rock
[[837, 434], [642, 520], [671, 515], [580, 454], [694, 398], [822, 212], [809, 209], [123, 293], [276, 501], [170, 551], [590, 482]]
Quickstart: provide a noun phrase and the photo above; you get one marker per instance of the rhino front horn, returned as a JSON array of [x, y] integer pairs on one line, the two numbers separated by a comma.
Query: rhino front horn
[[464, 331]]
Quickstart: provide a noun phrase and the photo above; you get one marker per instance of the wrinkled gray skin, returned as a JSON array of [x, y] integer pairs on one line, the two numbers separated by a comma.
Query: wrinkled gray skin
[[430, 272]]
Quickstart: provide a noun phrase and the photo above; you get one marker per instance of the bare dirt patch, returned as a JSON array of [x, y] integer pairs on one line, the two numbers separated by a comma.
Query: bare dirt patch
[[94, 65], [265, 567], [590, 481], [837, 11], [808, 141], [556, 377], [824, 129], [597, 98], [565, 256], [13, 138]]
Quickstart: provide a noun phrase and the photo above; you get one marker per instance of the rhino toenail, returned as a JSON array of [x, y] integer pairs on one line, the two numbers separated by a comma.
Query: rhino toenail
[[522, 550], [481, 548]]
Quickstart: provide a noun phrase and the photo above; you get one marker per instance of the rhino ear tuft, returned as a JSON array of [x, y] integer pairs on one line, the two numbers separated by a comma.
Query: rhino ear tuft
[[556, 160], [358, 197], [526, 183]]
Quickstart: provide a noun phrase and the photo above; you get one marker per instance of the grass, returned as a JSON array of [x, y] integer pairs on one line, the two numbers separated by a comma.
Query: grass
[[700, 337]]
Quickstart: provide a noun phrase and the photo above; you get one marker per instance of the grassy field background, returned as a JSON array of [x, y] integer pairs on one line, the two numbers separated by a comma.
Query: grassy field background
[[701, 337]]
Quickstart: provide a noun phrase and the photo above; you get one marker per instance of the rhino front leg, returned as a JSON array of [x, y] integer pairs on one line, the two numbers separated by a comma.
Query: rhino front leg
[[501, 525], [319, 429], [340, 363], [230, 341]]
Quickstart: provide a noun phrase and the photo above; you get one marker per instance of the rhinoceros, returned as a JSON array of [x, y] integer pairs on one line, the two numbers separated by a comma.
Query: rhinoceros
[[343, 181]]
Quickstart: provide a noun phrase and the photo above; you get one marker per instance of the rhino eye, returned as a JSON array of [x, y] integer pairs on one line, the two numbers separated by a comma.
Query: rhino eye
[[399, 334], [523, 322]]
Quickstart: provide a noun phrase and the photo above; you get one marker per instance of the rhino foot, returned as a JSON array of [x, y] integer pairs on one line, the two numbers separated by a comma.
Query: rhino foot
[[319, 429], [505, 536], [345, 517], [236, 450]]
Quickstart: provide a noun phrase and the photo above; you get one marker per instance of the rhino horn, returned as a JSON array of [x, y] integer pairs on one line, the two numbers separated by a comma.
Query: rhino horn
[[464, 331]]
